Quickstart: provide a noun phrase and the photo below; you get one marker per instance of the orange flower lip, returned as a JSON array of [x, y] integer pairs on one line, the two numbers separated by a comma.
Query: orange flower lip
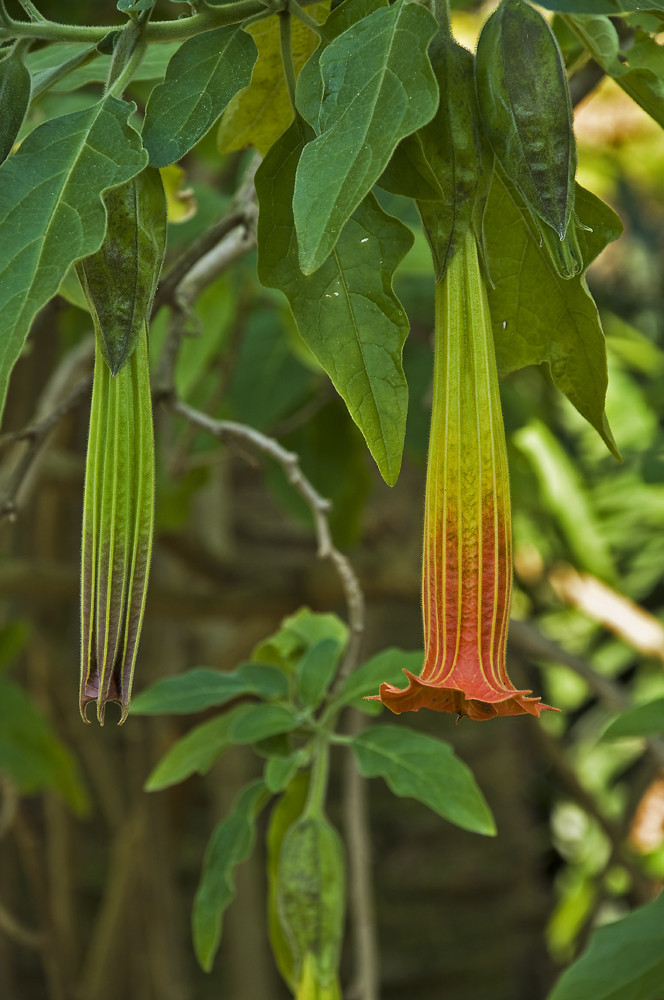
[[467, 560]]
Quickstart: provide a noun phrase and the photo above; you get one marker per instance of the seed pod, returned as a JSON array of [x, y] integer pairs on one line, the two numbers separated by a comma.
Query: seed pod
[[311, 902], [118, 507], [527, 115]]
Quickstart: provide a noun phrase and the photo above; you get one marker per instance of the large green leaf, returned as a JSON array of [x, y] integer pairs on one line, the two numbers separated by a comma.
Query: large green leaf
[[231, 843], [204, 688], [347, 312], [388, 667], [639, 71], [51, 210], [537, 315], [378, 87], [30, 752], [202, 77], [421, 767], [639, 721], [624, 960]]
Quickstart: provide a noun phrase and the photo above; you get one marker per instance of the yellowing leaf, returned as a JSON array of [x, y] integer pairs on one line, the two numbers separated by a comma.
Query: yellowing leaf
[[180, 200], [259, 114]]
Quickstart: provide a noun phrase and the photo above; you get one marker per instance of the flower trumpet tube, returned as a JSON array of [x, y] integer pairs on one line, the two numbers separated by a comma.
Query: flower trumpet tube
[[118, 515], [467, 558]]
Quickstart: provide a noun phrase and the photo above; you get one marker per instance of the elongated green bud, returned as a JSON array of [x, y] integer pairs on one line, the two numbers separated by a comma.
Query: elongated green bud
[[118, 508], [527, 115], [311, 905]]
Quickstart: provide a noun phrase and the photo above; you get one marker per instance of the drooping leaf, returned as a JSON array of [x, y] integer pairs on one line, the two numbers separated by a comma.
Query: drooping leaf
[[315, 671], [347, 313], [231, 843], [51, 210], [639, 721], [280, 771], [378, 87], [204, 688], [426, 769], [30, 752], [537, 315], [14, 99], [297, 633], [285, 813], [120, 279], [202, 77], [387, 666], [259, 114], [624, 960], [639, 71]]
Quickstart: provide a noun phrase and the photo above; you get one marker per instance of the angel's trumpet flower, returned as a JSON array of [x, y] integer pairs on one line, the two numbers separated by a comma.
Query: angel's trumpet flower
[[467, 560]]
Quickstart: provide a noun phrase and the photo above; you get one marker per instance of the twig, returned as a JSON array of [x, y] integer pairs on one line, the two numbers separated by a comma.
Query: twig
[[15, 930], [231, 432]]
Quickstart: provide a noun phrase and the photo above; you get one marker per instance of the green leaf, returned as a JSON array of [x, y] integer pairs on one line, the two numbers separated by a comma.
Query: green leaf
[[261, 721], [378, 88], [197, 751], [202, 77], [639, 721], [120, 279], [426, 769], [280, 771], [640, 72], [388, 667], [409, 173], [30, 752], [258, 115], [347, 313], [231, 843], [14, 99], [51, 211], [204, 688], [315, 671], [624, 960], [297, 633], [67, 66], [537, 315], [608, 7]]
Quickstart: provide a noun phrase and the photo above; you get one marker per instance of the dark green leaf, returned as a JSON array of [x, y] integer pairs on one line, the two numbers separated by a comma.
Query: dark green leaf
[[14, 99], [51, 210], [624, 960], [608, 7], [315, 671], [202, 77], [537, 315], [30, 752], [231, 843], [197, 751], [386, 667], [205, 688], [261, 721], [347, 312], [426, 769], [120, 279], [642, 720], [378, 87], [409, 174]]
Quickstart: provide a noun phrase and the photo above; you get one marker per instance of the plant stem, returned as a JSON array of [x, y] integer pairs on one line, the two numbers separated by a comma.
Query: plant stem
[[304, 18], [318, 784], [287, 55]]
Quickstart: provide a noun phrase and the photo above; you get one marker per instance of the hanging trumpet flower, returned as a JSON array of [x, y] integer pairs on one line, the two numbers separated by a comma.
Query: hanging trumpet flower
[[118, 509], [467, 559]]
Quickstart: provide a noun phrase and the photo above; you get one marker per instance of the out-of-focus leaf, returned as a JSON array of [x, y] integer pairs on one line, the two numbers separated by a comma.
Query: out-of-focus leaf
[[285, 813], [260, 722], [259, 114], [280, 771], [204, 688], [378, 87], [564, 495], [30, 752], [231, 843], [202, 77], [51, 210], [537, 315], [297, 633], [640, 721], [426, 769], [315, 671], [347, 312], [65, 54], [624, 960], [195, 752]]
